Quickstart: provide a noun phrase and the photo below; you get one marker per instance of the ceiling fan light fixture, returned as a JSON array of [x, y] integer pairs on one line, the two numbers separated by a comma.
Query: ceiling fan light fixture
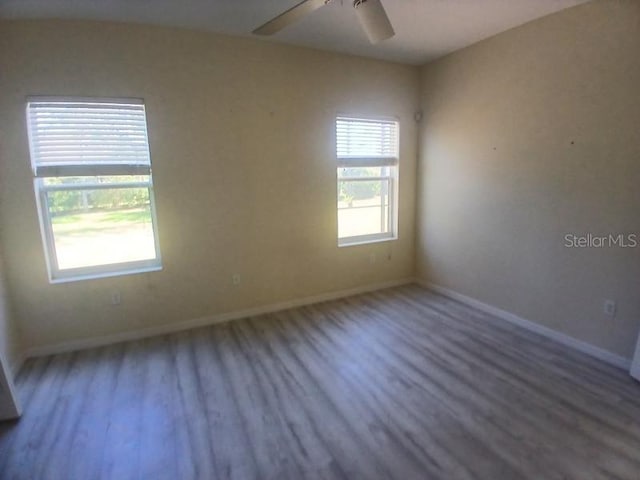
[[373, 19]]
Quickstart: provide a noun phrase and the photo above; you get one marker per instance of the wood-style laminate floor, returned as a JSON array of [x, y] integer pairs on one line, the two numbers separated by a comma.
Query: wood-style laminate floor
[[402, 384]]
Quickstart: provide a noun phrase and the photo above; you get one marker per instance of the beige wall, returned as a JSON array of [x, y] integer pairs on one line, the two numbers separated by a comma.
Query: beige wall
[[528, 136], [241, 135]]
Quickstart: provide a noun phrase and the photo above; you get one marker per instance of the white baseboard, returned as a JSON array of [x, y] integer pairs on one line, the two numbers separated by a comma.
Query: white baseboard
[[584, 347], [100, 341]]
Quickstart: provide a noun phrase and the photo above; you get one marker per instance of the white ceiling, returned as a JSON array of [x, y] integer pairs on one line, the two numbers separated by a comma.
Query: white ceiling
[[425, 29]]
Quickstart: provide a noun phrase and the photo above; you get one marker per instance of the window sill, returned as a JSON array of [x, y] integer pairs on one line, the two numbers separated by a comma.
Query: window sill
[[95, 276], [354, 242]]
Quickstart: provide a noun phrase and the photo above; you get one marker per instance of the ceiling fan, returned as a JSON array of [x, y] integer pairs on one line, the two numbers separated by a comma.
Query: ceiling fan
[[371, 15]]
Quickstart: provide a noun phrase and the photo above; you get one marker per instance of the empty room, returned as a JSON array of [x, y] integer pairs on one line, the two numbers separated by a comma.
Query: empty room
[[320, 239]]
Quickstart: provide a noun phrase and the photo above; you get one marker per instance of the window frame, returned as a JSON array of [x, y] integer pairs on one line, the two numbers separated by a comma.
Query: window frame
[[393, 163], [41, 191]]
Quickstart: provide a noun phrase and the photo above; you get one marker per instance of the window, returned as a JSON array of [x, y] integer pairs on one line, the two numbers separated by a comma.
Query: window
[[92, 177], [367, 152]]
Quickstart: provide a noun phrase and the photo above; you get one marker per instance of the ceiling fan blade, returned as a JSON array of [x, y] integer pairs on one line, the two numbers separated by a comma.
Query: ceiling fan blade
[[373, 20], [292, 15]]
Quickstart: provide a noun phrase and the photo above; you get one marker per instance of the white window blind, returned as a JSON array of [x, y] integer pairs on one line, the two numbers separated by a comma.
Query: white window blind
[[106, 136], [366, 139]]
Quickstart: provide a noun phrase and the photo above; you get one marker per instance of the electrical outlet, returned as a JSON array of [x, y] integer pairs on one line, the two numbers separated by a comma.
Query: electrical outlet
[[235, 278], [116, 299], [609, 308], [372, 258]]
